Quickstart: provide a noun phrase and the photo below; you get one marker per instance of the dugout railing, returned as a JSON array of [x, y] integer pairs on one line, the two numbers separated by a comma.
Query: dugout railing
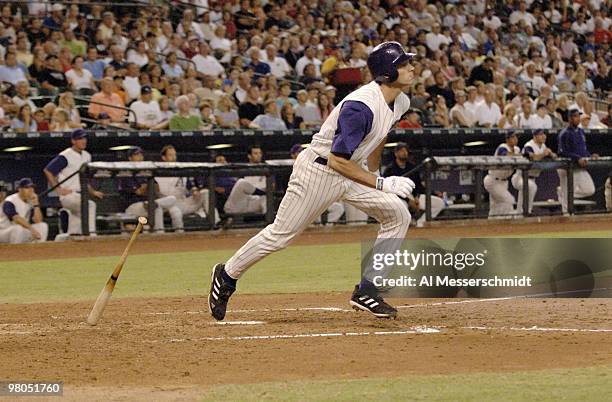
[[150, 170], [478, 166]]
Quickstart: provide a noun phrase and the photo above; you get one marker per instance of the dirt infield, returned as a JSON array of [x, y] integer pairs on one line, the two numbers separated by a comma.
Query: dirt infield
[[173, 347], [170, 348]]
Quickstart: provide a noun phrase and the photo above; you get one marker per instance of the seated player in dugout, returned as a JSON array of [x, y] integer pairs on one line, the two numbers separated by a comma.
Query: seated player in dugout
[[190, 198], [21, 220], [535, 150], [248, 195], [135, 194]]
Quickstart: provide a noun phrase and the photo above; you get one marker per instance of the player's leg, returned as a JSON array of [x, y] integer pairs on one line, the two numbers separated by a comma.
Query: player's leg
[[72, 202], [394, 218], [312, 189], [437, 205], [533, 189], [170, 204], [489, 185], [562, 190], [583, 184], [43, 229], [335, 212], [7, 234], [517, 183], [240, 197]]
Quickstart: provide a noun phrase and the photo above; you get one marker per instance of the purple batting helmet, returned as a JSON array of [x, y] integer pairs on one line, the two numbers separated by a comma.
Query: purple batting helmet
[[384, 60]]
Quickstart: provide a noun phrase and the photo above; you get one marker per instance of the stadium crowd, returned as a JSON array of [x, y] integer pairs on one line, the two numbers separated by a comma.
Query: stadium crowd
[[278, 64]]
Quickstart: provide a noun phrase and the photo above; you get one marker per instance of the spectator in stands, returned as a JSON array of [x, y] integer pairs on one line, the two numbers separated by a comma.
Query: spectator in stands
[[522, 119], [278, 65], [10, 71], [250, 108], [508, 120], [420, 98], [107, 101], [307, 111], [291, 120], [184, 120], [207, 64], [488, 113], [93, 64], [172, 69], [60, 121], [208, 118], [541, 119], [79, 78], [22, 96], [439, 116], [482, 72], [106, 26], [269, 120], [324, 105], [226, 114], [22, 53], [608, 119], [138, 54], [66, 102], [460, 116], [42, 122], [146, 113], [52, 79], [54, 21], [308, 58], [441, 88], [24, 122], [412, 120]]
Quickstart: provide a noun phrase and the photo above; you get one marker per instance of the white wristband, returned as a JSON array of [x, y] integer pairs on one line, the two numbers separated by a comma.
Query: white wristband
[[379, 183]]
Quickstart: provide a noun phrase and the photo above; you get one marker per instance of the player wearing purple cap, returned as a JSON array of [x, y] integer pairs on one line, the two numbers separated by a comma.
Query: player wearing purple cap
[[63, 166], [17, 211], [332, 169]]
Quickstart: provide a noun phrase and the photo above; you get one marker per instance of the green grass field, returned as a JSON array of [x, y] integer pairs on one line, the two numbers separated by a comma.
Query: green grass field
[[588, 384], [296, 269]]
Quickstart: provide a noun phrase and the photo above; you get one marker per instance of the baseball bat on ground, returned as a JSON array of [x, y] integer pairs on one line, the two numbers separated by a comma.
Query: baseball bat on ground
[[104, 297]]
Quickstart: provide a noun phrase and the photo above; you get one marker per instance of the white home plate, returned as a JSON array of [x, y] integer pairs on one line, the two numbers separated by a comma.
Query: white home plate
[[240, 322]]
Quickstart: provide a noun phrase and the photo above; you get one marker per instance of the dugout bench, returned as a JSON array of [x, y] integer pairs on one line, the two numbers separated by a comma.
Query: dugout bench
[[150, 170]]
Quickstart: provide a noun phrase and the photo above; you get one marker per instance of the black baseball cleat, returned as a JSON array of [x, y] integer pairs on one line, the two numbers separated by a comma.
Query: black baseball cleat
[[220, 292], [373, 304]]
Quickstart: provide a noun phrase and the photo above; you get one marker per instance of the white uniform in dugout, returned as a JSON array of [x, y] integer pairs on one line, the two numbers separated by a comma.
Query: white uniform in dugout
[[501, 201], [330, 170], [11, 232], [63, 165], [531, 147]]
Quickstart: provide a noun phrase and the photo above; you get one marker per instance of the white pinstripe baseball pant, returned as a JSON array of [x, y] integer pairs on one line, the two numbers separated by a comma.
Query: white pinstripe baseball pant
[[312, 189]]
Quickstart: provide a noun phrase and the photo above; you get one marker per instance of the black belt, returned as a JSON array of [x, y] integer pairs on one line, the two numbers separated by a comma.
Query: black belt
[[498, 179], [321, 161]]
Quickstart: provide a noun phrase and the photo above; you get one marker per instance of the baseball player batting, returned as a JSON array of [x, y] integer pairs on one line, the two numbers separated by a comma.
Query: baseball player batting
[[330, 170]]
